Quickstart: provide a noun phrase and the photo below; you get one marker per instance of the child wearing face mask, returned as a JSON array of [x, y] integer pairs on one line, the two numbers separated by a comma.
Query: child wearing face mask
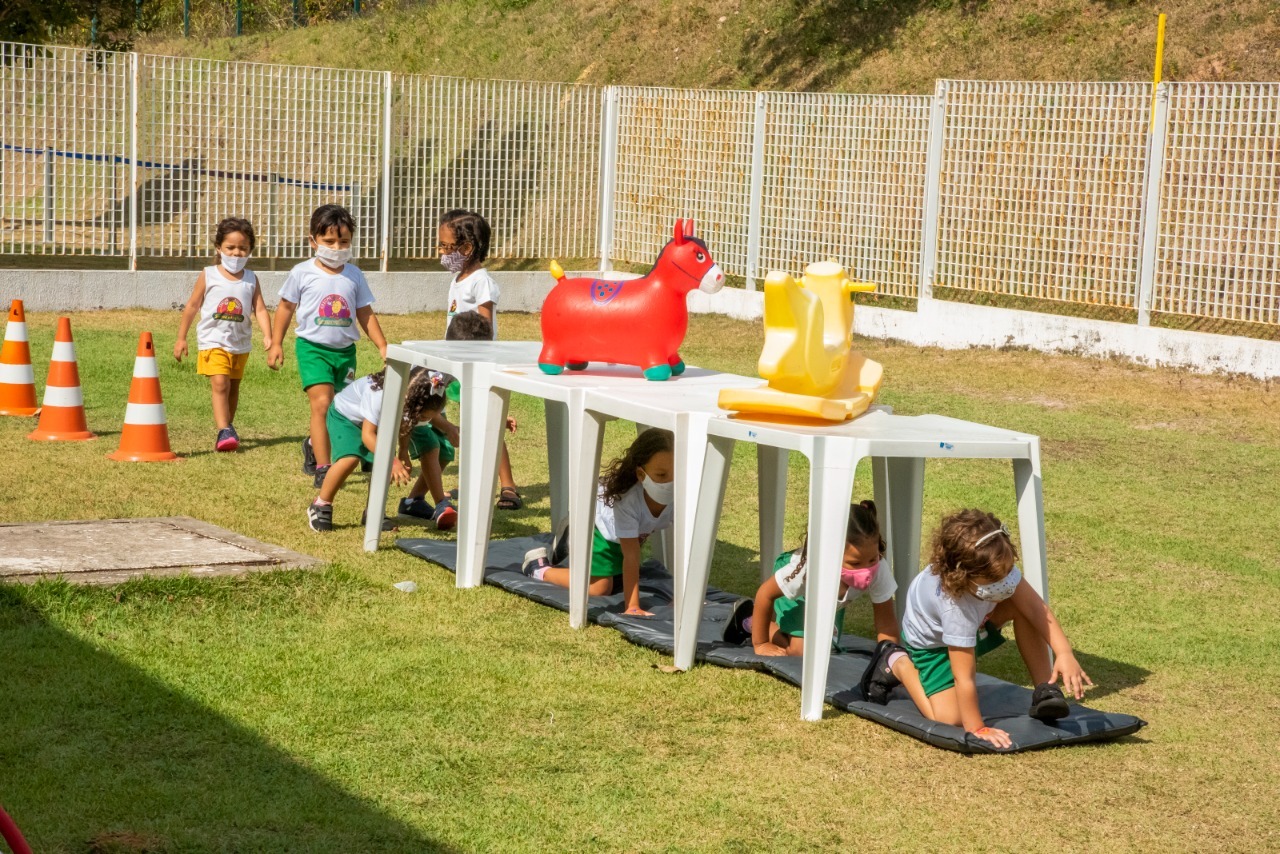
[[330, 296], [954, 612], [353, 429], [463, 246], [634, 501], [223, 295]]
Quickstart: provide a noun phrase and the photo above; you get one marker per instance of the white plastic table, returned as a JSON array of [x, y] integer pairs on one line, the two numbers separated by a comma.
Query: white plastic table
[[898, 446]]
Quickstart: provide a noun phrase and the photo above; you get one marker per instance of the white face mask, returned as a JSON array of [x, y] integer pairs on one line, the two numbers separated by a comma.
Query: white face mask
[[998, 591], [233, 263], [661, 493], [334, 258], [453, 261]]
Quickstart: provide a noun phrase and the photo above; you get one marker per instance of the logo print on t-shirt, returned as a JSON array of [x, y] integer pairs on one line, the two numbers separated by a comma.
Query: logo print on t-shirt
[[334, 311], [230, 309], [453, 307]]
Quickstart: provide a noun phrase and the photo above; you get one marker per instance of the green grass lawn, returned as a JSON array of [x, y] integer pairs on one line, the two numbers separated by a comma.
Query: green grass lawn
[[328, 711]]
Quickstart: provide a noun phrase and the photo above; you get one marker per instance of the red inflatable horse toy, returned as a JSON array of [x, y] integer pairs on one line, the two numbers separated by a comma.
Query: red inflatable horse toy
[[637, 322]]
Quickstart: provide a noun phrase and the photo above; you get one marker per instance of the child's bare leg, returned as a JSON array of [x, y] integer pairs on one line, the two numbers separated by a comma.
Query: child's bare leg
[[233, 401], [504, 468], [320, 395], [944, 708], [429, 477], [793, 645], [337, 476], [219, 387], [559, 576], [910, 679], [1033, 646]]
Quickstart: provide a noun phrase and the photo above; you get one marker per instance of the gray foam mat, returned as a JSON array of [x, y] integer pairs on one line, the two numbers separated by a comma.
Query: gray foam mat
[[1003, 704]]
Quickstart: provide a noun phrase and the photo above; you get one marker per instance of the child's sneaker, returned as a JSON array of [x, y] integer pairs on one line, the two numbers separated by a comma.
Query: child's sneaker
[[387, 524], [878, 680], [308, 457], [738, 630], [320, 517], [320, 473], [445, 516], [1048, 703], [227, 439], [534, 560], [418, 508]]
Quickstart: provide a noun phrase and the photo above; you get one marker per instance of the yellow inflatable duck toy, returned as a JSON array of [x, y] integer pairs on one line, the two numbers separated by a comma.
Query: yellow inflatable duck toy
[[808, 361]]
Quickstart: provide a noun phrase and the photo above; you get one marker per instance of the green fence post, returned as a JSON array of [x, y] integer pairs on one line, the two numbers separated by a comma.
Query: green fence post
[[239, 17], [186, 19]]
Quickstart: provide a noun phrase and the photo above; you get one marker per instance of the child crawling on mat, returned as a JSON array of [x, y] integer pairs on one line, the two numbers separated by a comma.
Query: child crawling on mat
[[774, 620], [954, 612], [634, 501]]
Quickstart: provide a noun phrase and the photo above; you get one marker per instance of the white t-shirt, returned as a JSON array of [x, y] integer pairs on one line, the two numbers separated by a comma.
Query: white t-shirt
[[359, 402], [472, 292], [227, 311], [791, 583], [933, 619], [327, 303], [629, 516]]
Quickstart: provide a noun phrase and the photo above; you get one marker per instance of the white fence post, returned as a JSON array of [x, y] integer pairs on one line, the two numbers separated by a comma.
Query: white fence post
[[386, 173], [756, 199], [1153, 182], [932, 191], [608, 173], [134, 193]]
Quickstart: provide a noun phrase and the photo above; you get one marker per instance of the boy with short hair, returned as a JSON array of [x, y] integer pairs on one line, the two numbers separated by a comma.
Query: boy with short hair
[[330, 296]]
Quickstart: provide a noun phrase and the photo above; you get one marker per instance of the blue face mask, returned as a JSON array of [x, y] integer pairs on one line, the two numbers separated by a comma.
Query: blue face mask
[[998, 591]]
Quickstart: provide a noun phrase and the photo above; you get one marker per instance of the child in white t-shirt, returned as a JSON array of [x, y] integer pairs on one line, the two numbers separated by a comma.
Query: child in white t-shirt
[[954, 611], [223, 295], [634, 501], [463, 247], [330, 296], [353, 429]]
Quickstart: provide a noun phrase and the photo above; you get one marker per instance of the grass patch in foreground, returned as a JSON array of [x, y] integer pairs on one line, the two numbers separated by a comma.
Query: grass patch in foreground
[[320, 711]]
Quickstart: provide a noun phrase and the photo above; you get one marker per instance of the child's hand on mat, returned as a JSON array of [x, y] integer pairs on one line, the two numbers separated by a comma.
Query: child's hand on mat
[[275, 357], [997, 737], [1074, 679], [637, 612], [179, 349], [769, 649], [399, 472], [511, 424]]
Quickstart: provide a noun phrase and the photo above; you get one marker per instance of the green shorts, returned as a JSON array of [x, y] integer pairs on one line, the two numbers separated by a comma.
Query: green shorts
[[346, 440], [606, 556], [320, 365], [934, 663], [789, 615]]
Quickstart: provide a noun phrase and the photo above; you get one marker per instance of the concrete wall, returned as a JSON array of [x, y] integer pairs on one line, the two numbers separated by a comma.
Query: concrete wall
[[936, 323]]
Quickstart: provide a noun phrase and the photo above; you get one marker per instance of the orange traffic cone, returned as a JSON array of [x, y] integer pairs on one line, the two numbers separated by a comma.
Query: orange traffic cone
[[145, 437], [17, 381], [62, 416]]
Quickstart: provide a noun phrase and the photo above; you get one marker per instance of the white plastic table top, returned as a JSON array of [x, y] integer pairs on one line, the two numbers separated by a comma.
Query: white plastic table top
[[898, 446]]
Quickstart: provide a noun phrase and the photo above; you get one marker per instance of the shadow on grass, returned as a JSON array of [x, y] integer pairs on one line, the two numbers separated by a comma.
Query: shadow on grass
[[99, 756]]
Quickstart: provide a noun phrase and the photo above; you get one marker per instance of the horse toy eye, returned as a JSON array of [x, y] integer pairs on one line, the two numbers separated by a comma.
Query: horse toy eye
[[701, 257]]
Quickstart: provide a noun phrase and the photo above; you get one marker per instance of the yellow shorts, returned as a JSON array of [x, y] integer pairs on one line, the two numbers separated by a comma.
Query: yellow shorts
[[216, 361]]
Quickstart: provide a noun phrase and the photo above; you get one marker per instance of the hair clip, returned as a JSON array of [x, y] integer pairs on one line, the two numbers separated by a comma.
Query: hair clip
[[1001, 530]]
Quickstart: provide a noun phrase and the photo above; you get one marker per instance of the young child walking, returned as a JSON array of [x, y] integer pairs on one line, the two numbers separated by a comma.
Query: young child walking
[[463, 245], [954, 612], [473, 326], [330, 296], [222, 296], [352, 421], [634, 501], [774, 620]]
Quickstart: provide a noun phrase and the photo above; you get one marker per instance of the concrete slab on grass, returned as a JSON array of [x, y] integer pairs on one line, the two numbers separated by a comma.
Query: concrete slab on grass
[[109, 551]]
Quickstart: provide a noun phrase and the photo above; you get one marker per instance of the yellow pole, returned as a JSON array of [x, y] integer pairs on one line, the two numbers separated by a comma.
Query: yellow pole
[[1159, 67]]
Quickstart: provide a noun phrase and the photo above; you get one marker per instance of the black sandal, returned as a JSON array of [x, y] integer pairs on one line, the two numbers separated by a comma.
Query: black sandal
[[509, 499], [878, 680]]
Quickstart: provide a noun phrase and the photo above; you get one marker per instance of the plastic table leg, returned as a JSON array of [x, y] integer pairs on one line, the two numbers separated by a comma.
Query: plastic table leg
[[830, 486], [393, 390], [586, 438], [901, 521], [1030, 493], [483, 413], [771, 478], [708, 507], [557, 415]]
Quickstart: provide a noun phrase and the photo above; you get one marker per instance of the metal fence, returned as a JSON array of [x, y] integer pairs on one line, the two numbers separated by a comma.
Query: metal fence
[[1076, 192]]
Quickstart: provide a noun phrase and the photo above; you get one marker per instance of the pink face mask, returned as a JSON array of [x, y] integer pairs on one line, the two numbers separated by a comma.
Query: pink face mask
[[858, 579]]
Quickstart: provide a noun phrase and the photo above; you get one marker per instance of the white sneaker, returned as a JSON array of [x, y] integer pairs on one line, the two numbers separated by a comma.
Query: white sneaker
[[535, 559]]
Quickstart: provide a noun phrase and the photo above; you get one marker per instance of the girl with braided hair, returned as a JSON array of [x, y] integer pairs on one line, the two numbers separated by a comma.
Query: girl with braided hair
[[352, 422]]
